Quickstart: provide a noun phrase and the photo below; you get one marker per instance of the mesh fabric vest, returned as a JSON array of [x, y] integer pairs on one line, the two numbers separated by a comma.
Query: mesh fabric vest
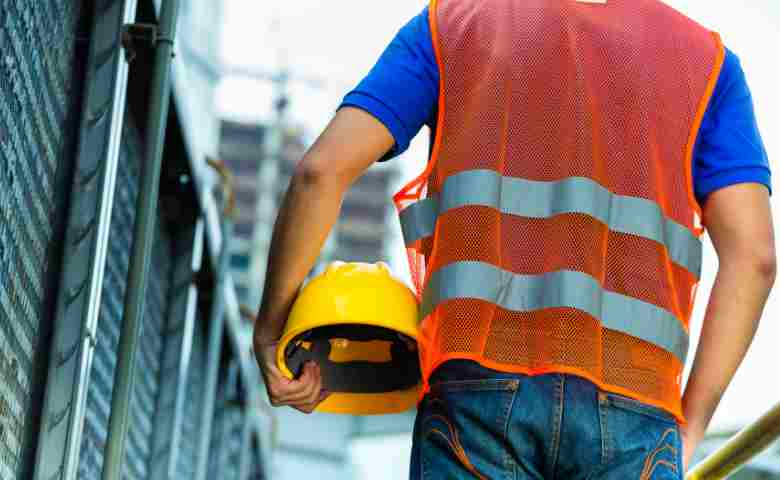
[[555, 228]]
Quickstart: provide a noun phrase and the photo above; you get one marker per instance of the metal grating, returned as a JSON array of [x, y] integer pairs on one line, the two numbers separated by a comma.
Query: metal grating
[[150, 353], [40, 86]]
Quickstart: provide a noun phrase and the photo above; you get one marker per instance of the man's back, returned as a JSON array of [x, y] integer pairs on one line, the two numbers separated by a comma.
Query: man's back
[[559, 230]]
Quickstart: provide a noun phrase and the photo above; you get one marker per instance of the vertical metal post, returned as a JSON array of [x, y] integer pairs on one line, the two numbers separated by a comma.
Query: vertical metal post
[[246, 445], [216, 332], [142, 242], [259, 467], [86, 240], [176, 357]]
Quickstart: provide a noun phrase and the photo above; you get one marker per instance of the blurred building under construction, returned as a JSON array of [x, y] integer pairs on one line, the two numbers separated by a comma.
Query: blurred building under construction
[[263, 172], [77, 136]]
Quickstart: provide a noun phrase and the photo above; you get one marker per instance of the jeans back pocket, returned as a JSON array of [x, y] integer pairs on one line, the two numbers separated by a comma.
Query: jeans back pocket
[[638, 440], [462, 426]]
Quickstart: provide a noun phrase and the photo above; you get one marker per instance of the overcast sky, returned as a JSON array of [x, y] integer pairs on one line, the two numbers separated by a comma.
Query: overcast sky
[[331, 45]]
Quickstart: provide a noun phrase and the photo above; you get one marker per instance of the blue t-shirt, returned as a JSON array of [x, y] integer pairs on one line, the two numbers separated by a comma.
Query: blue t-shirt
[[402, 92]]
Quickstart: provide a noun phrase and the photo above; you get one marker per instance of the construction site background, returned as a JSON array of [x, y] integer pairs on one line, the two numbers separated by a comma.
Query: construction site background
[[73, 124]]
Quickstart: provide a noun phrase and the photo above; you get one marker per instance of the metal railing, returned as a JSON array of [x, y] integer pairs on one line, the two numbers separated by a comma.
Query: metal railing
[[216, 319], [740, 449], [143, 237]]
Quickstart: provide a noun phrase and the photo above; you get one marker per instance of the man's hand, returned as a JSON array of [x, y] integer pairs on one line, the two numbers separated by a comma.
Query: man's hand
[[304, 393]]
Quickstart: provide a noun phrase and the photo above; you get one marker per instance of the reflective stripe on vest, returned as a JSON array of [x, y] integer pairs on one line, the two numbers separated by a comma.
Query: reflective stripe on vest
[[537, 199], [565, 288]]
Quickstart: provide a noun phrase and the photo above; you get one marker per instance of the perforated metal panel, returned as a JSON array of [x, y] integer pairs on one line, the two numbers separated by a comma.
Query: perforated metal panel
[[150, 352], [40, 88]]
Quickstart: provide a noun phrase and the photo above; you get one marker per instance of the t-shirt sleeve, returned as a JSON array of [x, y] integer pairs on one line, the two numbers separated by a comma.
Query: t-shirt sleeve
[[402, 88], [729, 149]]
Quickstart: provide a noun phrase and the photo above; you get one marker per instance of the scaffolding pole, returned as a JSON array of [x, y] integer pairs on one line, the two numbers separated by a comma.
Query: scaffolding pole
[[740, 449], [143, 237], [246, 445], [179, 336], [216, 321], [216, 332]]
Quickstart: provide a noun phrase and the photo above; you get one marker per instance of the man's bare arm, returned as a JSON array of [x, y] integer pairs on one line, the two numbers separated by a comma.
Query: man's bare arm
[[348, 146], [739, 221]]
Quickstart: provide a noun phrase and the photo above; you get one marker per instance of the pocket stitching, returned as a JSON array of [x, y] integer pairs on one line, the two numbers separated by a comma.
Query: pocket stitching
[[505, 430], [454, 444], [603, 424], [650, 463], [476, 385], [636, 406]]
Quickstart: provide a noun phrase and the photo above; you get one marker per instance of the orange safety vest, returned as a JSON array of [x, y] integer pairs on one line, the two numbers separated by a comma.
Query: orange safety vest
[[555, 228]]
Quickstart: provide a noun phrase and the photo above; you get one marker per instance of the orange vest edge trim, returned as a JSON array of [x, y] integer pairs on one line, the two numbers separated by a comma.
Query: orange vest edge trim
[[404, 192], [508, 368]]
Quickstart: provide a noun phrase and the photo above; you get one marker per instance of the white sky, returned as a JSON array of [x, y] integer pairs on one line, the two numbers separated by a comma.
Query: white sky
[[336, 43]]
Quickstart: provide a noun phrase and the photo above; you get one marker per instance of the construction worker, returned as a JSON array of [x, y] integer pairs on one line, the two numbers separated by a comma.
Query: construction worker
[[580, 151]]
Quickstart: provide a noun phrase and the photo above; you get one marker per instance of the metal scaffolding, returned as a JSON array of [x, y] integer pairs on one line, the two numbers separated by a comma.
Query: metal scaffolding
[[740, 449], [142, 244]]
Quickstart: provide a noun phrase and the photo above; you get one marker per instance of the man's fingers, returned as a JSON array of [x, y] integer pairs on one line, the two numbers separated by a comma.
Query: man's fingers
[[296, 392], [307, 386], [315, 392], [309, 408]]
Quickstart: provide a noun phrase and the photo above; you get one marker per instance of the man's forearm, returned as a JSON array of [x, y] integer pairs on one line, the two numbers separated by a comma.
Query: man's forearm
[[735, 306], [352, 141], [306, 217]]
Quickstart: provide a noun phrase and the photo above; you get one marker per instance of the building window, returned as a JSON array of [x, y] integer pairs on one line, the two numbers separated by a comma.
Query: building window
[[244, 229], [240, 262]]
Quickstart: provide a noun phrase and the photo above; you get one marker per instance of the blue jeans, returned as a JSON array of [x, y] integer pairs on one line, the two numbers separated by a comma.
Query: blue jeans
[[479, 423]]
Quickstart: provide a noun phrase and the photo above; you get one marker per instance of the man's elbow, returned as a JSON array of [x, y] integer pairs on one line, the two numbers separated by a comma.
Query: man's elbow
[[763, 263], [767, 266], [313, 173], [760, 263]]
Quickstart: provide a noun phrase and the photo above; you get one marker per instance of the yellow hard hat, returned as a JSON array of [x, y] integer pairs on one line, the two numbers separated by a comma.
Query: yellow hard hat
[[359, 323]]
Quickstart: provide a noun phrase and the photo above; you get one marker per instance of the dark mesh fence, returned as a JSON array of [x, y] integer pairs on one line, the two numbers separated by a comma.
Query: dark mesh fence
[[41, 62], [149, 355]]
